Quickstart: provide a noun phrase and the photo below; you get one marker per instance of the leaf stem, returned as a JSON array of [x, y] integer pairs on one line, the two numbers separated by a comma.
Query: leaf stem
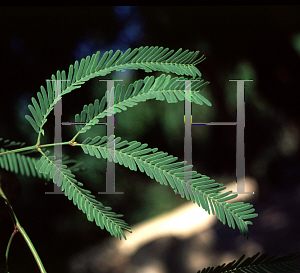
[[19, 228], [32, 248], [8, 246], [34, 147], [54, 144], [19, 150]]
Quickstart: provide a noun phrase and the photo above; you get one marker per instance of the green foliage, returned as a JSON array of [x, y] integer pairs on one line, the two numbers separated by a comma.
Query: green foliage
[[257, 264], [16, 162], [148, 59], [84, 200], [133, 155], [162, 88], [158, 165], [200, 189]]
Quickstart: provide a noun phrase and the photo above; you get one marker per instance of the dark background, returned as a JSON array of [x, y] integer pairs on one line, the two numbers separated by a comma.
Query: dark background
[[240, 42]]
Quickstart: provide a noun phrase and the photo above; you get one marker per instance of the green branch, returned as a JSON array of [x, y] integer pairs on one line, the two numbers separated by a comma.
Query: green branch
[[19, 228], [19, 150], [34, 147]]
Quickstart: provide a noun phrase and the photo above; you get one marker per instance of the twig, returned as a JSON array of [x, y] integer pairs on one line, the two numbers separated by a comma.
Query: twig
[[19, 228]]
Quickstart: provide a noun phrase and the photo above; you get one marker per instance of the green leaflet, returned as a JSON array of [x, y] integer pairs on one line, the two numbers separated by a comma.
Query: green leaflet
[[84, 200], [19, 164], [159, 166], [146, 58], [161, 88], [257, 263]]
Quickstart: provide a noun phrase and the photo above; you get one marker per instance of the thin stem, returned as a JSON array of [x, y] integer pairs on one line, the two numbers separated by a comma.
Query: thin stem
[[54, 144], [19, 150], [32, 248], [39, 136], [19, 228], [33, 147], [8, 246], [76, 136]]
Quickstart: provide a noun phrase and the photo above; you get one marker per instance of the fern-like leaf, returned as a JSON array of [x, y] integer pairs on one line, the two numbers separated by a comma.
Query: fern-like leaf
[[158, 165], [162, 88], [257, 264], [145, 58], [84, 200]]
